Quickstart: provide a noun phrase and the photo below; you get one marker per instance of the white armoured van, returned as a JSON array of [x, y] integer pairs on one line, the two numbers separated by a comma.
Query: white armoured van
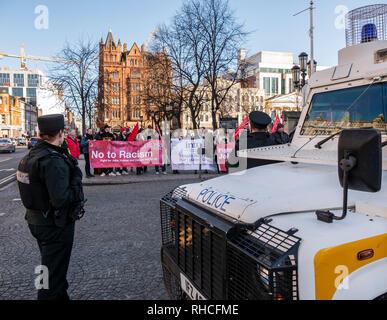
[[293, 230]]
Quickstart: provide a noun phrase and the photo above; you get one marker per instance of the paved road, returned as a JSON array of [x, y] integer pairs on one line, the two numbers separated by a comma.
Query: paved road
[[117, 245], [8, 165]]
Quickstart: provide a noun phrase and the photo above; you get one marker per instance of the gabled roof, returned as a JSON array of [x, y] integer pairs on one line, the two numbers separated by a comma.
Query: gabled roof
[[134, 49]]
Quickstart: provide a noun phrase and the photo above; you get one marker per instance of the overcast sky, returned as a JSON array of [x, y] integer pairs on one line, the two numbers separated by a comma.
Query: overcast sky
[[272, 24]]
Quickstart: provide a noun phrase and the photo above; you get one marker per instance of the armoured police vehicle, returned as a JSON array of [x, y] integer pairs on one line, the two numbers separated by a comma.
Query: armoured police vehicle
[[312, 226]]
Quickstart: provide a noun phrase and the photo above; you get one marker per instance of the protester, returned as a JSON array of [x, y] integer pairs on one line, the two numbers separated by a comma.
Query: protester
[[73, 144], [107, 136], [85, 149], [164, 166], [123, 137], [280, 136]]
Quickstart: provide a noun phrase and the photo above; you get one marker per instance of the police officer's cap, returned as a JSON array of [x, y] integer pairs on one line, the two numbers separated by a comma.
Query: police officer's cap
[[259, 118], [51, 123]]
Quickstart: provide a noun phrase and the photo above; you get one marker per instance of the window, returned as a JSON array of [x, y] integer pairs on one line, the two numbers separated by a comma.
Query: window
[[1, 100], [364, 106], [17, 92], [4, 79], [266, 85], [206, 118], [31, 92], [31, 100], [274, 85], [2, 119], [33, 80], [18, 80], [4, 89]]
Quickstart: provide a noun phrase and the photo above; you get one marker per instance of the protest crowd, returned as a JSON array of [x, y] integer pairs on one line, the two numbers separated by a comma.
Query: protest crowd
[[177, 149]]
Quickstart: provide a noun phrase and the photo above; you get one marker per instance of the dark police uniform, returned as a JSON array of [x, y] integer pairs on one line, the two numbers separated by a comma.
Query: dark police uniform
[[253, 140], [50, 185]]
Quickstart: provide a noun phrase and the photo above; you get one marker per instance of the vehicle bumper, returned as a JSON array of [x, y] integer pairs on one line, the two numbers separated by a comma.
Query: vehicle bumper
[[222, 260]]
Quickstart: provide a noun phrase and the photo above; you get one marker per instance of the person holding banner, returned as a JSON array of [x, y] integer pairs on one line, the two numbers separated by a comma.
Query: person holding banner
[[85, 149], [107, 135], [258, 137]]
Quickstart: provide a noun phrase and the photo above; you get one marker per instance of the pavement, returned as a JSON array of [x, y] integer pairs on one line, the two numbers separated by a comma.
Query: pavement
[[116, 253]]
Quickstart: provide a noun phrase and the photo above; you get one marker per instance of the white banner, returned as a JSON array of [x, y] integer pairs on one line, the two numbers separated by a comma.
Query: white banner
[[184, 155]]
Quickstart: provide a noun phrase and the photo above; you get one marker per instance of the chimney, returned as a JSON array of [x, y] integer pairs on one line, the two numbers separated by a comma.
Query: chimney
[[125, 47]]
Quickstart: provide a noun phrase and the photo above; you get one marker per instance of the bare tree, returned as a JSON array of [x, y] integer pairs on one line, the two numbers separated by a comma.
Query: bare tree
[[156, 90], [78, 77], [186, 50], [223, 36]]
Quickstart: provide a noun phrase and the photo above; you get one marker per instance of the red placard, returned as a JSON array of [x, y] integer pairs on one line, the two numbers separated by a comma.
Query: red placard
[[122, 154], [223, 152]]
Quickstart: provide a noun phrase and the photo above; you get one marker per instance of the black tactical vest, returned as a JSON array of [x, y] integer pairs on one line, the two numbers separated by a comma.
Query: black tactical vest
[[33, 191]]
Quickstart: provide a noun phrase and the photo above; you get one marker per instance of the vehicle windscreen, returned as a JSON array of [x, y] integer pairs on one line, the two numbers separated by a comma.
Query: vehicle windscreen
[[4, 141], [359, 107]]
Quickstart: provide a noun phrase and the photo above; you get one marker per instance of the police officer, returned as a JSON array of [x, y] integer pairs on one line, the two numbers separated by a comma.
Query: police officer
[[50, 185], [255, 138]]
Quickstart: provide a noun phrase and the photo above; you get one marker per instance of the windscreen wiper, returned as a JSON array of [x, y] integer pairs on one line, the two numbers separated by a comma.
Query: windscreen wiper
[[318, 145]]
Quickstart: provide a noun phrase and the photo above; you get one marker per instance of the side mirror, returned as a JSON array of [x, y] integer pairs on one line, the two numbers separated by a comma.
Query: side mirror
[[360, 165], [365, 146]]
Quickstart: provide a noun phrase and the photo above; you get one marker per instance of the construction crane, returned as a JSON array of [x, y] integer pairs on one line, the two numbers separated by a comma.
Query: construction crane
[[24, 58], [150, 39]]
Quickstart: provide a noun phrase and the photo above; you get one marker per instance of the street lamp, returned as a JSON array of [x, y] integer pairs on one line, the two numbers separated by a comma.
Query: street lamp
[[296, 76], [303, 60]]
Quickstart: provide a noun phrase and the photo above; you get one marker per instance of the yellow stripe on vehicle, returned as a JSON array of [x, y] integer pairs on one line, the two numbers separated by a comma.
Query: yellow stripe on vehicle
[[332, 265]]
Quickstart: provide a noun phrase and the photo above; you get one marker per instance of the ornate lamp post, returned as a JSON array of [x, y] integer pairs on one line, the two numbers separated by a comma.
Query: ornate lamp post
[[303, 61], [296, 76]]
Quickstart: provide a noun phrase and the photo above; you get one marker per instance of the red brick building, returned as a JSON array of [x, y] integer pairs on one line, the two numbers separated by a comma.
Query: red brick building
[[121, 75]]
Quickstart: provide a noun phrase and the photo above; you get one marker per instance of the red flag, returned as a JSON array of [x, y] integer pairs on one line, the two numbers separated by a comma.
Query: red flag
[[240, 128], [276, 123], [134, 133]]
